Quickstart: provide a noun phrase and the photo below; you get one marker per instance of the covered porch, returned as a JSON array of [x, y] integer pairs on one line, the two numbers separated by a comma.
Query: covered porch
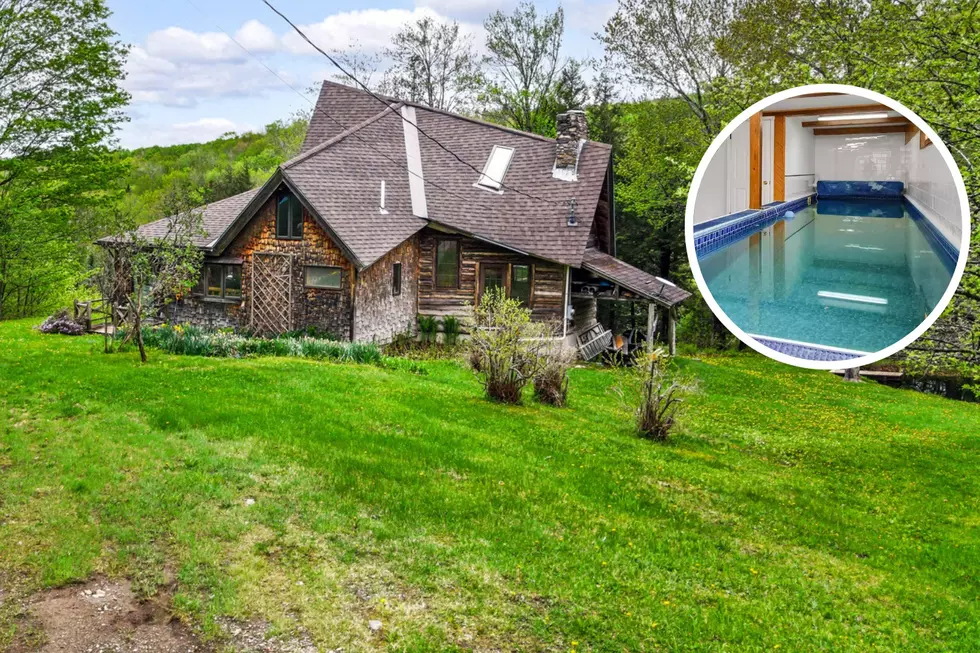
[[652, 302]]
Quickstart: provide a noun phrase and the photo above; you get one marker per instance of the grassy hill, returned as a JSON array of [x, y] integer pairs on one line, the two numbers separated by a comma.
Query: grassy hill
[[791, 510]]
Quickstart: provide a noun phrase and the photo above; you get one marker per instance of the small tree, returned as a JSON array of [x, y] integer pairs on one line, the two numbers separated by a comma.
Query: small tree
[[506, 347], [661, 392], [146, 274]]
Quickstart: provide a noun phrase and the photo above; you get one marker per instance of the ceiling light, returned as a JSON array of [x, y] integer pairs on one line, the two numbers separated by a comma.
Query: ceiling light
[[855, 116]]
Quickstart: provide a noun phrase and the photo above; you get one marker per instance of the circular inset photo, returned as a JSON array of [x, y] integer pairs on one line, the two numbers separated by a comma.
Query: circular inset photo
[[827, 226]]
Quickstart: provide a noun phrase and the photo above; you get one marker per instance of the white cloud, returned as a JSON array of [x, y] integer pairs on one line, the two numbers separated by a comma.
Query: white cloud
[[256, 37], [143, 133], [368, 30], [476, 10], [179, 44], [184, 83]]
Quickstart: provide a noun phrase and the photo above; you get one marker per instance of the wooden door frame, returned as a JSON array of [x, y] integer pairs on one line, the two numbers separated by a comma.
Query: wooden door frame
[[768, 151], [505, 276]]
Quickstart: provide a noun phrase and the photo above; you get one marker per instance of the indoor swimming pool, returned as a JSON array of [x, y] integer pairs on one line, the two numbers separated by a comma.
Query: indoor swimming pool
[[844, 274]]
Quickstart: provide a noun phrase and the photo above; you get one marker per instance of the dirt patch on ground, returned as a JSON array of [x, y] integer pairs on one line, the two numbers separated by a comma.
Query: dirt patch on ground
[[103, 616]]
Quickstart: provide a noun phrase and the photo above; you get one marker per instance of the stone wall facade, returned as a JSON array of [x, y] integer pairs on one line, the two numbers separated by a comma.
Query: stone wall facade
[[329, 310], [380, 315]]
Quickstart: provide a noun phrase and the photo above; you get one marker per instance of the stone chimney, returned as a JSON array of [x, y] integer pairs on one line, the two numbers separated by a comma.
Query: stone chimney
[[573, 130]]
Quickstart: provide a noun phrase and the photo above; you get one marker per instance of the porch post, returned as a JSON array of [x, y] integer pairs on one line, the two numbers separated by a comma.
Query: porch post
[[672, 329], [651, 325]]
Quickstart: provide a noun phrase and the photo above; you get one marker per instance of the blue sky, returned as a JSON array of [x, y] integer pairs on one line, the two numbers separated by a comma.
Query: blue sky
[[190, 82]]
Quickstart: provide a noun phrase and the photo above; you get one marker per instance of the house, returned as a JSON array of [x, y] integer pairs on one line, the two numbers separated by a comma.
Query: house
[[394, 210]]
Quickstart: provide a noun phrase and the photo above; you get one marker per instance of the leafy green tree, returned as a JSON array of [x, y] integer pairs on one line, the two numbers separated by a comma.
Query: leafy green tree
[[605, 113], [435, 65], [60, 104], [668, 47], [662, 145], [525, 67]]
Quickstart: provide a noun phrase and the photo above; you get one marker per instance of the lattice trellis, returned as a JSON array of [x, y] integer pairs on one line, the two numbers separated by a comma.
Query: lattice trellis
[[272, 292]]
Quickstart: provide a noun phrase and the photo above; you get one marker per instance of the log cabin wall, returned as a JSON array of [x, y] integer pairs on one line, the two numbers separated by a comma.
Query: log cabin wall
[[547, 279]]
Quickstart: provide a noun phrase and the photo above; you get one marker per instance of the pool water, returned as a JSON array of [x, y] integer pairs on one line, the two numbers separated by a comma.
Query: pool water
[[850, 275]]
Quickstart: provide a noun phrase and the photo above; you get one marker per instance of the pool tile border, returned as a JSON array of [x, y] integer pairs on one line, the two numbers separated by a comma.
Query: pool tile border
[[948, 252], [807, 351], [712, 239]]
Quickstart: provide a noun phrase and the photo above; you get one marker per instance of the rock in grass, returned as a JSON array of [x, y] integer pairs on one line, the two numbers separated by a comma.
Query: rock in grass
[[375, 625]]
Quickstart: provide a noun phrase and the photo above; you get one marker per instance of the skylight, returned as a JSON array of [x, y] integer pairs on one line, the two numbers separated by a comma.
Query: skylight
[[496, 167]]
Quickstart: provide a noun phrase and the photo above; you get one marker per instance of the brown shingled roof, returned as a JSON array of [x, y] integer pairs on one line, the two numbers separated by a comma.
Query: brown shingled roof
[[646, 285], [339, 172], [217, 216], [341, 104]]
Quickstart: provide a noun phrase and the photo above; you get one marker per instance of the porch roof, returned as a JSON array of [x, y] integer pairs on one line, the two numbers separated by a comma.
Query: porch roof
[[645, 285]]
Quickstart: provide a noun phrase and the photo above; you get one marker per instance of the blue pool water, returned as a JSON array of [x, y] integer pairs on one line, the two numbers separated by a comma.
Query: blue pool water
[[852, 275]]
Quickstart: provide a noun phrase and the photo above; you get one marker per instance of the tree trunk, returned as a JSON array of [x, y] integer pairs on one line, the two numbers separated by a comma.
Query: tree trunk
[[852, 374], [138, 334]]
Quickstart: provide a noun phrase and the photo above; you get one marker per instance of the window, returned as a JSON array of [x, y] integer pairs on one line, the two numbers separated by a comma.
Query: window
[[496, 167], [322, 276], [447, 264], [520, 283], [289, 217], [396, 279], [220, 281]]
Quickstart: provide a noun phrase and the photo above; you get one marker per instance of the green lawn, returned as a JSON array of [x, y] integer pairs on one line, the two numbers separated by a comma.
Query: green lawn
[[791, 510]]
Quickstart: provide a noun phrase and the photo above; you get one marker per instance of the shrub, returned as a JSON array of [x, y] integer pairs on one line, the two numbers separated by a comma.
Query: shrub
[[189, 340], [661, 391], [450, 330], [310, 331], [61, 323], [428, 326], [551, 381], [506, 346]]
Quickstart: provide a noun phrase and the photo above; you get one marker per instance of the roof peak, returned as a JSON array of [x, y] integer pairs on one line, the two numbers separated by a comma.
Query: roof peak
[[303, 156], [471, 119]]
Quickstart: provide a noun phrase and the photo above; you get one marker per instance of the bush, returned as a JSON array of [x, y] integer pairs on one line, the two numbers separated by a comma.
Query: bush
[[61, 323], [551, 381], [506, 346], [661, 391], [310, 332], [192, 341], [428, 326], [450, 330]]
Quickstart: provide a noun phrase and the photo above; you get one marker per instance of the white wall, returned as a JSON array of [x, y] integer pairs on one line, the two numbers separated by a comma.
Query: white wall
[[860, 158], [800, 160], [712, 199], [738, 169], [930, 185]]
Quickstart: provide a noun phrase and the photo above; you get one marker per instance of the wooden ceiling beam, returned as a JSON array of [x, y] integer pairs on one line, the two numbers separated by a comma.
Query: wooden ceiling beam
[[826, 111], [863, 122], [884, 129]]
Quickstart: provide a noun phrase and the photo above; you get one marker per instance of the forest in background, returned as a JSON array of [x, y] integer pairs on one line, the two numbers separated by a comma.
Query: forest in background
[[700, 63]]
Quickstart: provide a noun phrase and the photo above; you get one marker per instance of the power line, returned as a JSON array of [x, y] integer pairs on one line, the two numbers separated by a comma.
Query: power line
[[419, 129], [317, 109]]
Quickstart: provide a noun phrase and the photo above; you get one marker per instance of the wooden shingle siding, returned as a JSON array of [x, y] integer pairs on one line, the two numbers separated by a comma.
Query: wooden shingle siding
[[547, 289]]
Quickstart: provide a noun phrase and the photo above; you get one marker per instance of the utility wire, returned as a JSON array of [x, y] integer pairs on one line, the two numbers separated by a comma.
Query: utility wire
[[419, 129], [317, 109]]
